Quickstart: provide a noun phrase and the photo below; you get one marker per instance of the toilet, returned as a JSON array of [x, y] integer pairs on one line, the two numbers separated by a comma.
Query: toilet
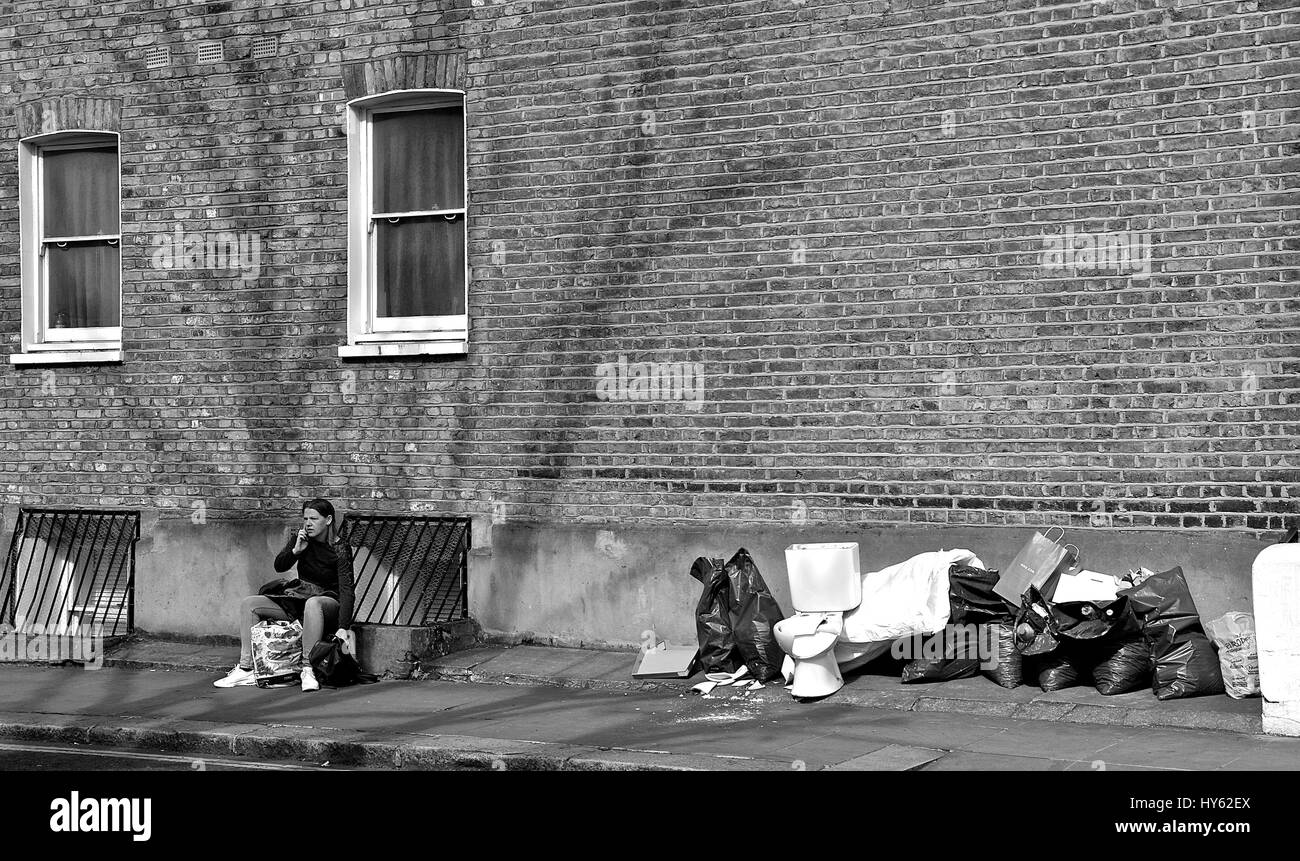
[[825, 583]]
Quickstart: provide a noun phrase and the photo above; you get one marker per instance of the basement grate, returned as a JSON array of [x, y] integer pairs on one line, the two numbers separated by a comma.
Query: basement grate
[[70, 567]]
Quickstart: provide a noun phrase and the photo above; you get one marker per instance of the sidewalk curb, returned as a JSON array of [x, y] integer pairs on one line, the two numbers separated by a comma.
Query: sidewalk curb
[[344, 748]]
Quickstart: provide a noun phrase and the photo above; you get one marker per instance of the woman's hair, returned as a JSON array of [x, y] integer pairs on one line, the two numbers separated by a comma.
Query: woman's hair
[[325, 509]]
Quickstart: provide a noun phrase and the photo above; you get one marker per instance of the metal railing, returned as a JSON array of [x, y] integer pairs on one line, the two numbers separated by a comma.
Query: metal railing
[[69, 567], [409, 570]]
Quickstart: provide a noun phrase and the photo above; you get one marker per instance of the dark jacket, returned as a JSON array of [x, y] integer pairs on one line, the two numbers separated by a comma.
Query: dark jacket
[[328, 566]]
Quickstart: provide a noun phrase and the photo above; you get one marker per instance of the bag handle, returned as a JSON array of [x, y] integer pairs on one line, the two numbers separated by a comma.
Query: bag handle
[[1048, 532]]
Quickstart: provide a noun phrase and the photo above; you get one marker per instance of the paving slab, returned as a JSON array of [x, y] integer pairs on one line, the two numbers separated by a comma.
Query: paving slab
[[967, 761], [893, 757]]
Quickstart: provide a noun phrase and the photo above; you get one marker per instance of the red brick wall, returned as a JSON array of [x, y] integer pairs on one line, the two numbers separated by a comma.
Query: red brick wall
[[838, 210]]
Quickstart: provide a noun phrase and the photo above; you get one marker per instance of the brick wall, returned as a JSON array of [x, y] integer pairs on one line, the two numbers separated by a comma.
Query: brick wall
[[839, 211]]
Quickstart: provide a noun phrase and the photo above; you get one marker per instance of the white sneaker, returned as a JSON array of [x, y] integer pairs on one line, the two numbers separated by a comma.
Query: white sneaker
[[236, 678], [309, 682]]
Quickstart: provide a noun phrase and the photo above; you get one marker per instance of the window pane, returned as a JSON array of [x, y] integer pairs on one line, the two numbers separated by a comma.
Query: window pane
[[418, 160], [80, 191], [82, 285], [420, 267]]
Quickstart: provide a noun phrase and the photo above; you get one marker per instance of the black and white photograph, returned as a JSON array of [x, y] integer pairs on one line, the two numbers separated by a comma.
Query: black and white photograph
[[608, 406]]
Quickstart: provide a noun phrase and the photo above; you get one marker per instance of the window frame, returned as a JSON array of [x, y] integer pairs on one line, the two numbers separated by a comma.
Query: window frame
[[366, 330], [38, 337]]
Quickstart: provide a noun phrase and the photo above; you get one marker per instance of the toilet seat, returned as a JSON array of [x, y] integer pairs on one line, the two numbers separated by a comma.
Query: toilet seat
[[807, 635]]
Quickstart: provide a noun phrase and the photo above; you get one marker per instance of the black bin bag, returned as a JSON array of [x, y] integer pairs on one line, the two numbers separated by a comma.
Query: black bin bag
[[1005, 664], [754, 613], [1184, 663], [971, 597], [1126, 669], [718, 653], [1064, 668], [953, 653]]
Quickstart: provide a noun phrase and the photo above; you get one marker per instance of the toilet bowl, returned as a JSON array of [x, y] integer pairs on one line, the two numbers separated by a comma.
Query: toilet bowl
[[825, 582]]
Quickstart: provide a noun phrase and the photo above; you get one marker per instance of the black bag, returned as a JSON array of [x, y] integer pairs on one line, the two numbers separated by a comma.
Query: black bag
[[335, 668], [1035, 626], [1184, 663], [1127, 668], [754, 613], [956, 653], [718, 653], [1007, 664], [1092, 622], [1065, 668], [971, 596]]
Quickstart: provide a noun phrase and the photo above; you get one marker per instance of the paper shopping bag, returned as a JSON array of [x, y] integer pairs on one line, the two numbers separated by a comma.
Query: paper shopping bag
[[1040, 558]]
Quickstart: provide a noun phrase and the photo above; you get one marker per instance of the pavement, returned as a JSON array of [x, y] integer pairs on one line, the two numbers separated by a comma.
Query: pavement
[[542, 708], [593, 669]]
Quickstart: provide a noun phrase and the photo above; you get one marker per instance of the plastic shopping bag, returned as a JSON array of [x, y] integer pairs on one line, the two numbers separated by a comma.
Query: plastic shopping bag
[[277, 652], [1234, 634]]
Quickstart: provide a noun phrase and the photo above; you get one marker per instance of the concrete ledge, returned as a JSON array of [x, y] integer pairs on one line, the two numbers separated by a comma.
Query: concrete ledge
[[400, 651]]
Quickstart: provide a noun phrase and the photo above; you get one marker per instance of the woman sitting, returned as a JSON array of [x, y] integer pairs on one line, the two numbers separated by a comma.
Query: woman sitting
[[321, 597]]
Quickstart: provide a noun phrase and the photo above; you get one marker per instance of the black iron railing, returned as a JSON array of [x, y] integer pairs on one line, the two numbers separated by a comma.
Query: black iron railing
[[409, 570], [69, 567]]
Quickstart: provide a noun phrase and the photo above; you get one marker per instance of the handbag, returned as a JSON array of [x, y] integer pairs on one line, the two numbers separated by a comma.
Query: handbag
[[1038, 560], [336, 668]]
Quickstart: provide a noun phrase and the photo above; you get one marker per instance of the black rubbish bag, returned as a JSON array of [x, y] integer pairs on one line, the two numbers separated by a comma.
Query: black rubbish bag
[[1127, 668], [334, 667], [953, 653], [1035, 626], [1188, 669], [1183, 659], [754, 612], [718, 653], [971, 596], [1067, 667], [1005, 664], [1094, 623]]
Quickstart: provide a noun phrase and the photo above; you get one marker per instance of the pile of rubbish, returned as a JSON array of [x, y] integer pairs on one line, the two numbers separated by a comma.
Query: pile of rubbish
[[947, 615]]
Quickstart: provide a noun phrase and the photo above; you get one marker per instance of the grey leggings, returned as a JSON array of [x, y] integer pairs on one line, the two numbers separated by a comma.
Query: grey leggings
[[319, 616]]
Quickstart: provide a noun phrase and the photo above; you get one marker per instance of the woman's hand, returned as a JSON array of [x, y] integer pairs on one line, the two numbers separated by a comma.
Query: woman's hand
[[301, 544], [349, 641]]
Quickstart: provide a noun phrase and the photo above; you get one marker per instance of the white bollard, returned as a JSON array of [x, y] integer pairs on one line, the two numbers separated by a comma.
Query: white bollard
[[1275, 580]]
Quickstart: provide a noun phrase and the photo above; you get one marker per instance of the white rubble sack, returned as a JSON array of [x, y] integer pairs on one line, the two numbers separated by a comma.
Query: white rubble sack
[[900, 601]]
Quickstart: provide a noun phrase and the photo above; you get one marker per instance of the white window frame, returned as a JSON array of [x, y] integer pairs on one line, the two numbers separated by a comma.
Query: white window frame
[[369, 334], [42, 343]]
